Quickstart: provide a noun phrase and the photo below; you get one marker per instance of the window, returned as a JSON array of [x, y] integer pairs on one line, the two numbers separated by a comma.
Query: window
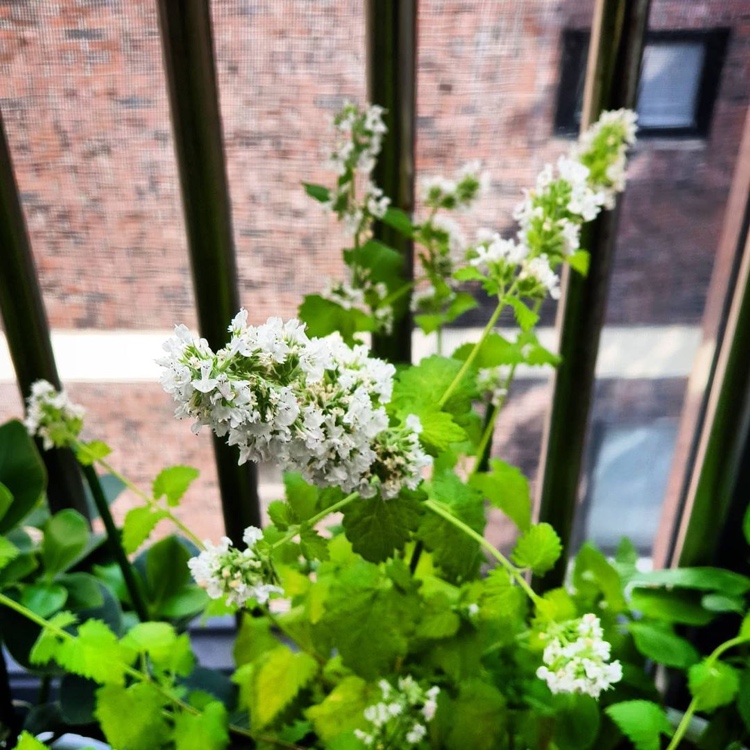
[[679, 81]]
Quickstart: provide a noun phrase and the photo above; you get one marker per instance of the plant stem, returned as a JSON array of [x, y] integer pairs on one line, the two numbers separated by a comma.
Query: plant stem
[[150, 501], [514, 572], [472, 355], [310, 523], [415, 555], [115, 544], [8, 716], [693, 707], [493, 412]]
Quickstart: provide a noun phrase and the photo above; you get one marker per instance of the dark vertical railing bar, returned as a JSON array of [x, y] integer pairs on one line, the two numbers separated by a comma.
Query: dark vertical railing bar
[[711, 531], [27, 330], [189, 64], [617, 39], [391, 83]]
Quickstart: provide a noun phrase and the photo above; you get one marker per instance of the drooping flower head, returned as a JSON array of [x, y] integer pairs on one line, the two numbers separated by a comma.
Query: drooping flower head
[[52, 416], [576, 658]]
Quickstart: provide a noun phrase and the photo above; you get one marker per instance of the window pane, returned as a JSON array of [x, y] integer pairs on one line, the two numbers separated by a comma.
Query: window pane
[[669, 84]]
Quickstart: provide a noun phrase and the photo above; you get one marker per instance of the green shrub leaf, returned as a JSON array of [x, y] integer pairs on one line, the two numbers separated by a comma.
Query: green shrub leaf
[[661, 645], [343, 708], [505, 487], [132, 717], [138, 526], [174, 482], [713, 683], [207, 730], [538, 548], [642, 722], [65, 537]]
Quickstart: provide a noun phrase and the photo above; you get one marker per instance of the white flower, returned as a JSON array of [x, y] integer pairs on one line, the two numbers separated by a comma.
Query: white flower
[[539, 270], [239, 575], [575, 659], [52, 416]]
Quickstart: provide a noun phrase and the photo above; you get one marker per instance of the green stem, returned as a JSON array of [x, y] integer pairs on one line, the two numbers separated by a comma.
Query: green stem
[[514, 572], [310, 523], [493, 412], [415, 555], [472, 355], [115, 544], [150, 501], [693, 707], [393, 296]]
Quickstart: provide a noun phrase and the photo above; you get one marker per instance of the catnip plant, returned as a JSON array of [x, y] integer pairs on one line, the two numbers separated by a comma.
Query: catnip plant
[[374, 612]]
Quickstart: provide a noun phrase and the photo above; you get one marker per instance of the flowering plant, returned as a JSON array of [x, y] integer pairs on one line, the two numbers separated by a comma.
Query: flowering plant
[[390, 629]]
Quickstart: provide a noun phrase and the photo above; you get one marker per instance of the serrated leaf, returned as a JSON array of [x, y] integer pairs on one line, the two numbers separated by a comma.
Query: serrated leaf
[[27, 741], [276, 680], [132, 717], [494, 351], [703, 579], [595, 577], [538, 549], [455, 553], [501, 599], [713, 683], [8, 552], [478, 717], [48, 643], [468, 273], [89, 453], [323, 317], [281, 515], [301, 496], [95, 654], [160, 642], [438, 619], [661, 645], [253, 640], [312, 545], [534, 353], [439, 430], [384, 264], [642, 722], [138, 525], [343, 708], [525, 316], [206, 731], [379, 528], [173, 482], [505, 487]]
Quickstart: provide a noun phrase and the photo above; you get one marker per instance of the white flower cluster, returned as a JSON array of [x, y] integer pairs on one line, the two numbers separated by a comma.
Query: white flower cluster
[[460, 193], [52, 416], [492, 381], [576, 659], [312, 405], [360, 140], [564, 197], [367, 298], [399, 719], [239, 575]]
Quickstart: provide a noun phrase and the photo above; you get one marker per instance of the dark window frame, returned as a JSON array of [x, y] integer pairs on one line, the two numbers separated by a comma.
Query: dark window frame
[[575, 44]]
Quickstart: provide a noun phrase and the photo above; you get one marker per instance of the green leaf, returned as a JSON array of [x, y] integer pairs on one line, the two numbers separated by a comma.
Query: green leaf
[[661, 645], [534, 353], [743, 697], [65, 537], [478, 717], [89, 453], [745, 627], [253, 640], [438, 619], [538, 548], [468, 273], [6, 500], [94, 653], [132, 717], [44, 598], [160, 642], [642, 722], [276, 680], [704, 579], [722, 603], [84, 590], [301, 496], [505, 487], [22, 472], [713, 683], [206, 731], [343, 708], [323, 317], [28, 742], [494, 351], [281, 514], [8, 552], [501, 599], [379, 528], [398, 220], [319, 192], [455, 553], [525, 316], [166, 570], [174, 482], [576, 721], [439, 430], [595, 577], [746, 524], [579, 261], [138, 526], [312, 545], [675, 605], [383, 263]]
